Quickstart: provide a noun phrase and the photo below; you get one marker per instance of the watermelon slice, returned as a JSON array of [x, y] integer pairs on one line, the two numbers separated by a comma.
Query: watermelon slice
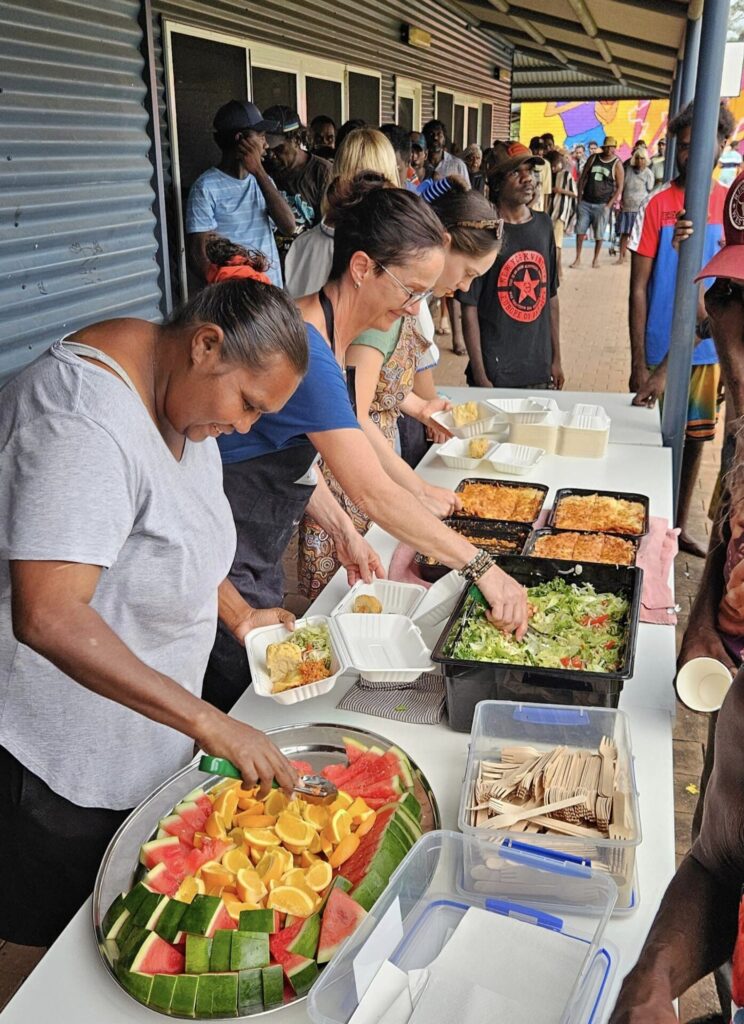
[[403, 767], [199, 797], [305, 942], [303, 767], [153, 955], [159, 879], [205, 915], [340, 918], [301, 973], [210, 849], [354, 749], [279, 942], [157, 851]]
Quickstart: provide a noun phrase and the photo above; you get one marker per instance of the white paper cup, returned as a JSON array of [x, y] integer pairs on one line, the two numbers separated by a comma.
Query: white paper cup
[[703, 683]]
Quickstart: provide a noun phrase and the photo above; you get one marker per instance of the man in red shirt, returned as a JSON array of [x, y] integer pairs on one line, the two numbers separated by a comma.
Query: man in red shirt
[[653, 277]]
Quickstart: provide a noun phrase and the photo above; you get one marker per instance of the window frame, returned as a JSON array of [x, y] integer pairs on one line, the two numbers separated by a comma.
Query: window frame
[[409, 88]]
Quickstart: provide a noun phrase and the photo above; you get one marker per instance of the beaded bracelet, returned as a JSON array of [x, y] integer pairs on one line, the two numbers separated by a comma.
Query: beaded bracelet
[[477, 566]]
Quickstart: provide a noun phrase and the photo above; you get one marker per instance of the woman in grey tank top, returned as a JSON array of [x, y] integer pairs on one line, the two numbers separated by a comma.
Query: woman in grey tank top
[[115, 544]]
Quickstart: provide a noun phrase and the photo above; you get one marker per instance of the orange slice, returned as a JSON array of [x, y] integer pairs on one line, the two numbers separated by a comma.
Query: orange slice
[[359, 810], [289, 899], [339, 826], [342, 801], [276, 802], [319, 875], [235, 860], [251, 887], [364, 827], [293, 831], [262, 838], [348, 845], [215, 826], [223, 787], [325, 844], [295, 806], [226, 805], [315, 844], [190, 887], [316, 815], [247, 798], [295, 876], [246, 818], [307, 858], [270, 867], [214, 874], [234, 905], [285, 857]]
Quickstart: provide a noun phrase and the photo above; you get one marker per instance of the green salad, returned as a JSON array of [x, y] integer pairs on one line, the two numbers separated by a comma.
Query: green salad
[[571, 626], [315, 643]]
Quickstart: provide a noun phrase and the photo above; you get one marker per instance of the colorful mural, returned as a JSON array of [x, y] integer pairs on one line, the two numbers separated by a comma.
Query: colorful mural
[[626, 120]]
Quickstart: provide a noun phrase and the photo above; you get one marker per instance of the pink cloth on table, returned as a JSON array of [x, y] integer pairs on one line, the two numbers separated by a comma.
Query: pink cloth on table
[[656, 554]]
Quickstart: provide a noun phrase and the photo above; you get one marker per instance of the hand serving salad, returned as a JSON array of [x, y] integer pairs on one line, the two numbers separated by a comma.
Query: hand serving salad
[[571, 626]]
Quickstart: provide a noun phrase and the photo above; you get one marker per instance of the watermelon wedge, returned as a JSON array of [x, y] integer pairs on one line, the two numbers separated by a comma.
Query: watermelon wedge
[[159, 879], [153, 955], [354, 749], [159, 850], [303, 767], [340, 918], [301, 973]]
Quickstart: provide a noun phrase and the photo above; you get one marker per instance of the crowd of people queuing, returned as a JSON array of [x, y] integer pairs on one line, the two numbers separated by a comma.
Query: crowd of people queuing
[[295, 391]]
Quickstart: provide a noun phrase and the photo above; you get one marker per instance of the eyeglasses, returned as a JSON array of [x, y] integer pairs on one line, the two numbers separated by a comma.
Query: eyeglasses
[[413, 297]]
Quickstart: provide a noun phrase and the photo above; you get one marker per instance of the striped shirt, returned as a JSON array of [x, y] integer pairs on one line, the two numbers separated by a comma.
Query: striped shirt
[[236, 209]]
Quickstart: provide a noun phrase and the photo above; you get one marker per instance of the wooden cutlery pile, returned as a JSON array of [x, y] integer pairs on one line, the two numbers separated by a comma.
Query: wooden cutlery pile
[[565, 790]]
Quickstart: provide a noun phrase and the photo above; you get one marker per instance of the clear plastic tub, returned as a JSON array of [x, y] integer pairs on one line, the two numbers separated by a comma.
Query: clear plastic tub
[[500, 724], [441, 878]]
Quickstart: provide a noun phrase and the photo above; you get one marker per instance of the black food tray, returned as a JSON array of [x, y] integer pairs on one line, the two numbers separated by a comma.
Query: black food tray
[[468, 682], [512, 484], [569, 492], [550, 531], [496, 528]]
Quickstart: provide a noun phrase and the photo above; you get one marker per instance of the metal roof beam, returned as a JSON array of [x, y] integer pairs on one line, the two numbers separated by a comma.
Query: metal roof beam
[[594, 72]]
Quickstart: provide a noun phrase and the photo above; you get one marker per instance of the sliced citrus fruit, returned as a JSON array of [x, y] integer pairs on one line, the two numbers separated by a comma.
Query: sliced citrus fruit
[[223, 787], [319, 875], [291, 900], [215, 874], [251, 887], [339, 826], [276, 802], [215, 826], [363, 827], [342, 801], [248, 820], [235, 860], [285, 858], [234, 905], [245, 817], [293, 831], [325, 844], [348, 845], [307, 858], [190, 887], [261, 837], [226, 805], [295, 806], [295, 876], [358, 810], [316, 815], [271, 866], [315, 844], [247, 798]]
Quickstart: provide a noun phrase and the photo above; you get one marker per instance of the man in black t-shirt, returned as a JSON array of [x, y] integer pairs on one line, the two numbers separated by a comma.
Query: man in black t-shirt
[[510, 315]]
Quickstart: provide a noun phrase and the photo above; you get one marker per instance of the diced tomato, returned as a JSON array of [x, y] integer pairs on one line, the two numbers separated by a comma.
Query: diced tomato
[[600, 619], [576, 662], [584, 620], [565, 662], [610, 645]]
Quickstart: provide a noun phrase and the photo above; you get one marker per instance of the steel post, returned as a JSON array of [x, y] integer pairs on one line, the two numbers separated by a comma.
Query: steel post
[[697, 191], [671, 144]]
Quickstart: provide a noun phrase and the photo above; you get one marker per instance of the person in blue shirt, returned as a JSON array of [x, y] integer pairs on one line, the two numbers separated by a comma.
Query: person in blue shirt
[[389, 253], [237, 199]]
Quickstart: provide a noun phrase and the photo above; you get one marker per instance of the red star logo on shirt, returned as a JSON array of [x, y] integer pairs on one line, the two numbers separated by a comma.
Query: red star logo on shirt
[[527, 287]]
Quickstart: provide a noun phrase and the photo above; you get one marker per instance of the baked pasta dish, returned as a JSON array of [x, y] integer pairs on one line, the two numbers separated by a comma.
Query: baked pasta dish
[[586, 547], [500, 501], [601, 513]]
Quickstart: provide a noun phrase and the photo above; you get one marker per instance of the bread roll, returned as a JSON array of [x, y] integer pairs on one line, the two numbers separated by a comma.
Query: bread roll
[[366, 604]]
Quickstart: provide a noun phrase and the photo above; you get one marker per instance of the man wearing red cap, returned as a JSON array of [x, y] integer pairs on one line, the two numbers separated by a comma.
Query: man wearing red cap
[[695, 929], [510, 316]]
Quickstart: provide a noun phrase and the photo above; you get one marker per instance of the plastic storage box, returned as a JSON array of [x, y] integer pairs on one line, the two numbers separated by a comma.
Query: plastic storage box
[[440, 879], [499, 724], [469, 682]]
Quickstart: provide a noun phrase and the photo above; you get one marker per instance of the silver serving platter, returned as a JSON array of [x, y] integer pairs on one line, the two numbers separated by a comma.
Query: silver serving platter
[[319, 744]]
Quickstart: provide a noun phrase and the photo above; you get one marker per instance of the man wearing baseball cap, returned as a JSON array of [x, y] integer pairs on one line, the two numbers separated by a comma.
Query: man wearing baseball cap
[[302, 177], [237, 199], [510, 315], [696, 926], [600, 186]]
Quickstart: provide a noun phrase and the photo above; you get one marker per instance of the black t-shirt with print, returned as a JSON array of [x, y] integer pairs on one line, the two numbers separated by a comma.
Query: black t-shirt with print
[[513, 300]]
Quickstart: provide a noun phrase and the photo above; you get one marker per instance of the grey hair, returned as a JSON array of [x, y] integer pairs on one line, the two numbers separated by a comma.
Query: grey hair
[[259, 322]]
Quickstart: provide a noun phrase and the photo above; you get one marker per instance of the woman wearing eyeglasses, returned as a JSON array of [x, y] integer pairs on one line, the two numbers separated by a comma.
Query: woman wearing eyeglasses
[[267, 473], [385, 363]]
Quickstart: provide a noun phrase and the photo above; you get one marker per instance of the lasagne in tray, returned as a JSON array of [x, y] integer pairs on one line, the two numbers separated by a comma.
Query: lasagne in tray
[[600, 512], [500, 501], [586, 547]]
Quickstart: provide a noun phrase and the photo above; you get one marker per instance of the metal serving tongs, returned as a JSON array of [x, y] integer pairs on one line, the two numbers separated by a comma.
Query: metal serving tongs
[[316, 789], [477, 598]]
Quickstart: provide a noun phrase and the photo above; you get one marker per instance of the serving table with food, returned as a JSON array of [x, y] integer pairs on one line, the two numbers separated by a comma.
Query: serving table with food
[[581, 782]]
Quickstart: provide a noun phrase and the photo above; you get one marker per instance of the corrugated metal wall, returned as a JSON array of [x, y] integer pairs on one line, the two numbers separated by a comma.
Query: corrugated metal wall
[[461, 58], [76, 220]]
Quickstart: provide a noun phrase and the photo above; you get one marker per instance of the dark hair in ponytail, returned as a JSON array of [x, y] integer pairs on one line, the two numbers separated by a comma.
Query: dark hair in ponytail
[[390, 224], [259, 322], [470, 220], [220, 251]]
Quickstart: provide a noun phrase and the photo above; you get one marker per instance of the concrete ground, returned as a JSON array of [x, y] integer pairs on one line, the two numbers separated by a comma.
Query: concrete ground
[[595, 358]]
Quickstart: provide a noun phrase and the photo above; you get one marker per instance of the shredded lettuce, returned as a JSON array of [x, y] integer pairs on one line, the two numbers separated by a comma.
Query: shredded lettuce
[[572, 627], [315, 643]]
